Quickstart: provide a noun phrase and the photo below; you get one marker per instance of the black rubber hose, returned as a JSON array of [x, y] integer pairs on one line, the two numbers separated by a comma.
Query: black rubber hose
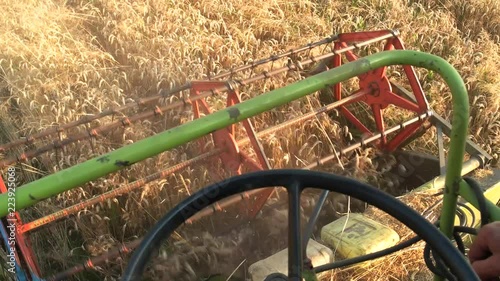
[[367, 257], [481, 200], [471, 212], [437, 268], [314, 179]]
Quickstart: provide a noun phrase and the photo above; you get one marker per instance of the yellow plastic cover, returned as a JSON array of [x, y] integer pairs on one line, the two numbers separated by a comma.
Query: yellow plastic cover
[[355, 235]]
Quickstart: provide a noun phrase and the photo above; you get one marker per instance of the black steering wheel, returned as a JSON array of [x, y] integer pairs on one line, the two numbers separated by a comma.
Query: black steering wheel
[[295, 180]]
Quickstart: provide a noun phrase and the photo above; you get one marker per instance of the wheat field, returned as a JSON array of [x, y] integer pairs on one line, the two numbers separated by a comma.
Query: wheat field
[[61, 60]]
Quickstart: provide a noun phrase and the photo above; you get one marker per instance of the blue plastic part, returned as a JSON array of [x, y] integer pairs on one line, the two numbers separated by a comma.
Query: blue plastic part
[[20, 273]]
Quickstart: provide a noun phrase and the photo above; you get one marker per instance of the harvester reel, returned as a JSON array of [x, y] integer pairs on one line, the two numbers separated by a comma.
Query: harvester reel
[[295, 181], [376, 91]]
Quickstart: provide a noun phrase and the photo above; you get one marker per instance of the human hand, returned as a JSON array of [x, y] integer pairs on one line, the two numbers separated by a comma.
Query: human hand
[[484, 253]]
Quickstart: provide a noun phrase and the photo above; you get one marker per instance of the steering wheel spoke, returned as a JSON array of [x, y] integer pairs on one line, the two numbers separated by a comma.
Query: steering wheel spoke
[[295, 181], [295, 259]]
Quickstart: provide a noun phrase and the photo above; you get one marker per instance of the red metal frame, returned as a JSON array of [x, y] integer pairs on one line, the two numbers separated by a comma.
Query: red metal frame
[[23, 250], [374, 90], [232, 158], [379, 94]]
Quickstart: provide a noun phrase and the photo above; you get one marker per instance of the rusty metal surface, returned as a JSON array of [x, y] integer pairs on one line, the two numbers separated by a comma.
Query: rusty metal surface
[[227, 147], [126, 121]]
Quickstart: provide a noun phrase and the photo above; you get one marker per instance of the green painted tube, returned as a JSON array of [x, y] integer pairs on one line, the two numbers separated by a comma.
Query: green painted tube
[[31, 193], [467, 193]]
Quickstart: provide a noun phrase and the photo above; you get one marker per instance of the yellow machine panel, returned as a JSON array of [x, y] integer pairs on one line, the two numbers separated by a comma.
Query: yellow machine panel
[[355, 235]]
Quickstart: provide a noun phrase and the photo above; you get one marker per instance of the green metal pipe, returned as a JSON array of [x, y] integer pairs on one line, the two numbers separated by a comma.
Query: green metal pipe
[[467, 193], [54, 184]]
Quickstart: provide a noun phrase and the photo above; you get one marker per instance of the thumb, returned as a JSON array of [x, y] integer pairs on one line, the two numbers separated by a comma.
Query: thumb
[[488, 268]]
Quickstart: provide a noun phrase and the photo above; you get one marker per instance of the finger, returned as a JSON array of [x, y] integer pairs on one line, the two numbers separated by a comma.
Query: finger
[[486, 238], [488, 268], [479, 248]]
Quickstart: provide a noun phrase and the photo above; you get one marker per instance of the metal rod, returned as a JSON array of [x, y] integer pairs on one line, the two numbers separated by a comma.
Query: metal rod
[[312, 221], [295, 258], [315, 59], [252, 136], [273, 58], [89, 118], [218, 207], [442, 158], [436, 183], [471, 147], [54, 184], [366, 141], [66, 212], [439, 182], [164, 93], [126, 121], [92, 262], [311, 114]]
